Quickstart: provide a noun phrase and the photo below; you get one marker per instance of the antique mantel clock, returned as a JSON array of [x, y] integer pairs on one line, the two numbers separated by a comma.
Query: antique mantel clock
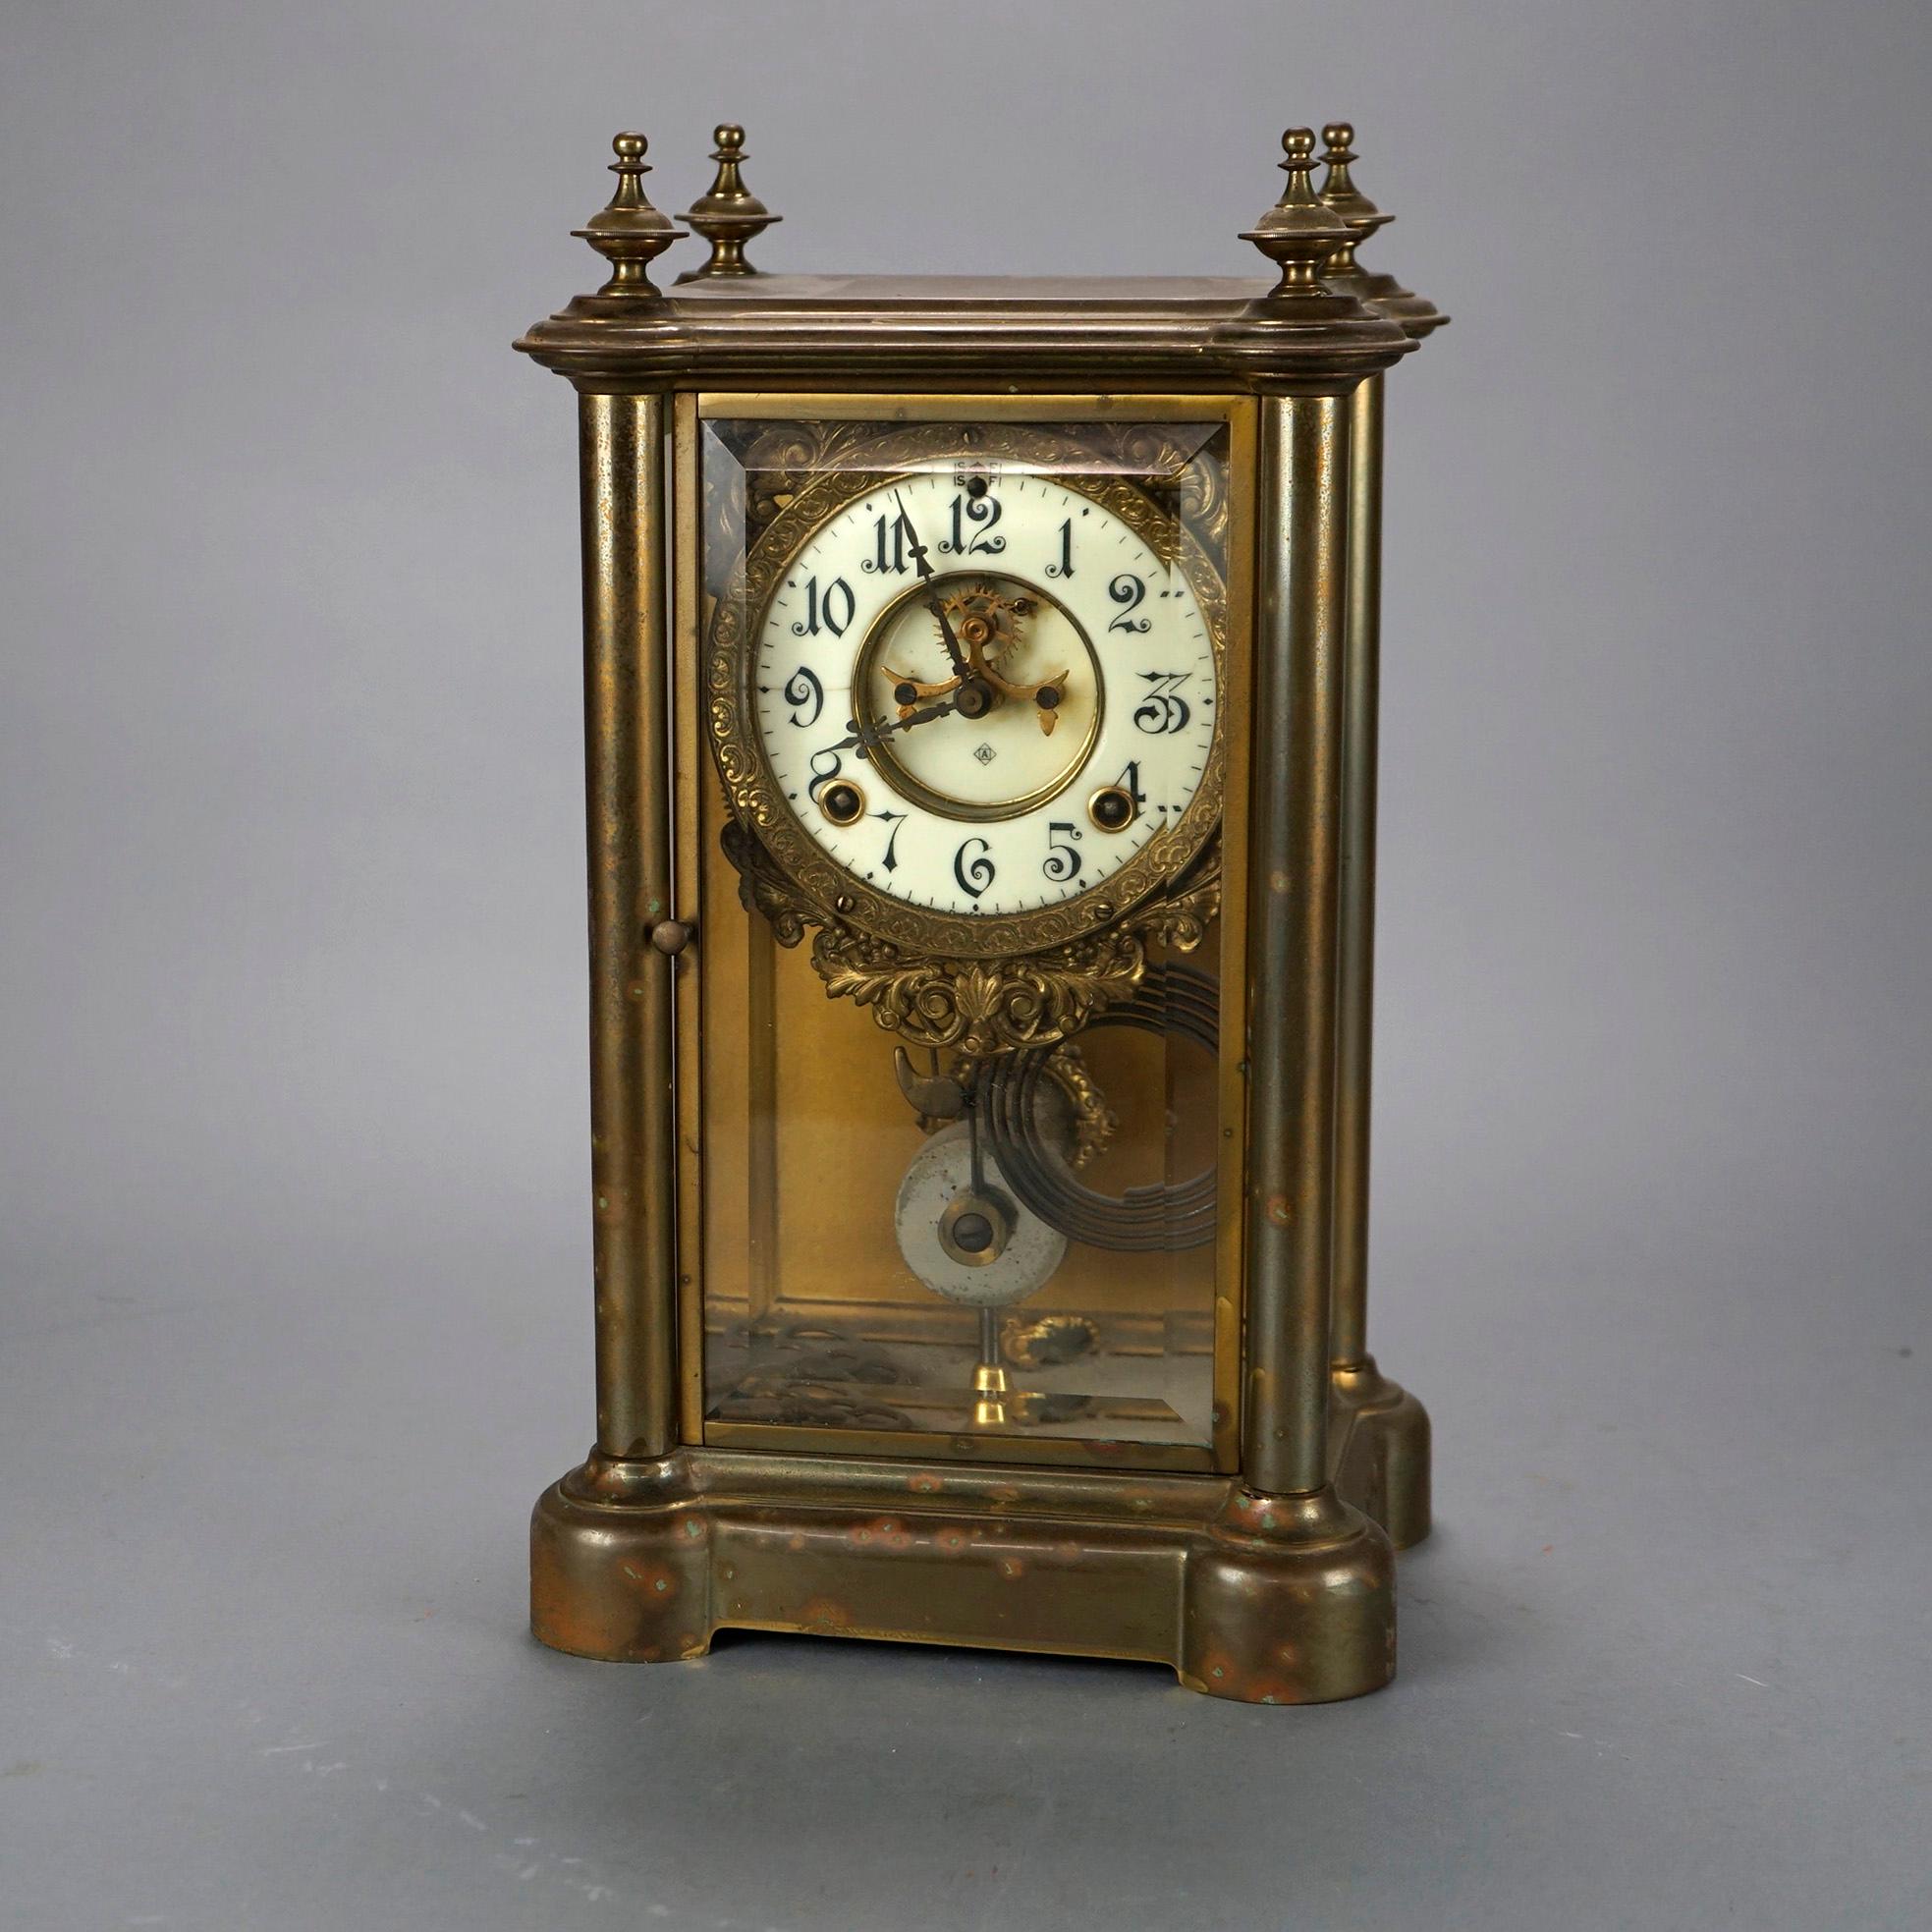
[[981, 697]]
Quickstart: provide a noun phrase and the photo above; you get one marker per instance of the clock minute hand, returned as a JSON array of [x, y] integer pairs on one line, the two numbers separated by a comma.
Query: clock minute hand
[[934, 602]]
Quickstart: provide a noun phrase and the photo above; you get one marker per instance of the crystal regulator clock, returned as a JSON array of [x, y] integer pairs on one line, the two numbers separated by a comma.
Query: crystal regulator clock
[[980, 700]]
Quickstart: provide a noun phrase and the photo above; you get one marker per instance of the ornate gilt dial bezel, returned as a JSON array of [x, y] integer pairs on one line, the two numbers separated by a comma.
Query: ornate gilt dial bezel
[[975, 984]]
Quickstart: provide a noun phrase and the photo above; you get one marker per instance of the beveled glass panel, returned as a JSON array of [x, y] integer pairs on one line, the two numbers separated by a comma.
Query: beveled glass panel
[[986, 799]]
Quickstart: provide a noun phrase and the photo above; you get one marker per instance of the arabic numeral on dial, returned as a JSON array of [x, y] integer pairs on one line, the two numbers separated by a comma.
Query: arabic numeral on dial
[[967, 511], [1164, 709], [830, 609], [1062, 859], [1129, 782], [825, 767], [897, 820], [1130, 591], [802, 690], [976, 872], [1064, 567], [888, 557]]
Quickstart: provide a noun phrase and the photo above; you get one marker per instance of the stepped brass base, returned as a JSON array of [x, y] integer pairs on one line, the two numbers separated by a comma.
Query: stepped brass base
[[1379, 1452], [1272, 1600]]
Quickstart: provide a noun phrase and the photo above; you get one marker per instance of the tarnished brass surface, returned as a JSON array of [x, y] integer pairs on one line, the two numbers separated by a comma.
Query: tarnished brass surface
[[977, 406], [1379, 1452], [1235, 965], [629, 813], [1298, 234], [728, 214], [689, 771], [1293, 879], [628, 232], [1386, 1457], [1265, 1576], [1261, 1599], [1415, 314], [1007, 333], [980, 1444], [1356, 912]]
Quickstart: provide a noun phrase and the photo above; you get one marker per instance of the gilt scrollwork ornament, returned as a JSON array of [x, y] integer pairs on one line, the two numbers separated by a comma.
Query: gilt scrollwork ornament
[[1093, 1123], [976, 1007]]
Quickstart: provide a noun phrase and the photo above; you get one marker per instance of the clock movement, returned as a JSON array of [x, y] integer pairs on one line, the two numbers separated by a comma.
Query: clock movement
[[980, 684]]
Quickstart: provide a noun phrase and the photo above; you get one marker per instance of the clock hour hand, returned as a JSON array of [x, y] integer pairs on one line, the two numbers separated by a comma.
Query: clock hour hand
[[863, 736]]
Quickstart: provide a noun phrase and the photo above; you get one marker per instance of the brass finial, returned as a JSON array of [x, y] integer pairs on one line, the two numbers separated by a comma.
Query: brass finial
[[1342, 196], [1298, 233], [729, 215], [628, 232]]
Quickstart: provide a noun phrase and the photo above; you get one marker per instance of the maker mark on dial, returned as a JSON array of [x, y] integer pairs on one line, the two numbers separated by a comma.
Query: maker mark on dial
[[984, 754]]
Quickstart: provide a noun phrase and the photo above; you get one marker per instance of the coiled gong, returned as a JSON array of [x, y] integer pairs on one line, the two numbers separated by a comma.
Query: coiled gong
[[1171, 1000]]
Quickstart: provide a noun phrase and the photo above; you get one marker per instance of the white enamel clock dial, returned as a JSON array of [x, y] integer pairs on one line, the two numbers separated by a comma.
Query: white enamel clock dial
[[1091, 656]]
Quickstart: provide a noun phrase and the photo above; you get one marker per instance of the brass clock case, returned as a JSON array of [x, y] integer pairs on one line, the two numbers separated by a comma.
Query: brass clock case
[[976, 984], [1250, 1549]]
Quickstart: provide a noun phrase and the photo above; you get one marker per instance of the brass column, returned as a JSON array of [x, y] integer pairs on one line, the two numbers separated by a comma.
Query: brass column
[[1361, 677], [620, 455], [1294, 865]]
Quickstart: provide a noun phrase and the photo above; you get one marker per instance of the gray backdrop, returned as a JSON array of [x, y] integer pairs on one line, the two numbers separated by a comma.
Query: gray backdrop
[[291, 1152]]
